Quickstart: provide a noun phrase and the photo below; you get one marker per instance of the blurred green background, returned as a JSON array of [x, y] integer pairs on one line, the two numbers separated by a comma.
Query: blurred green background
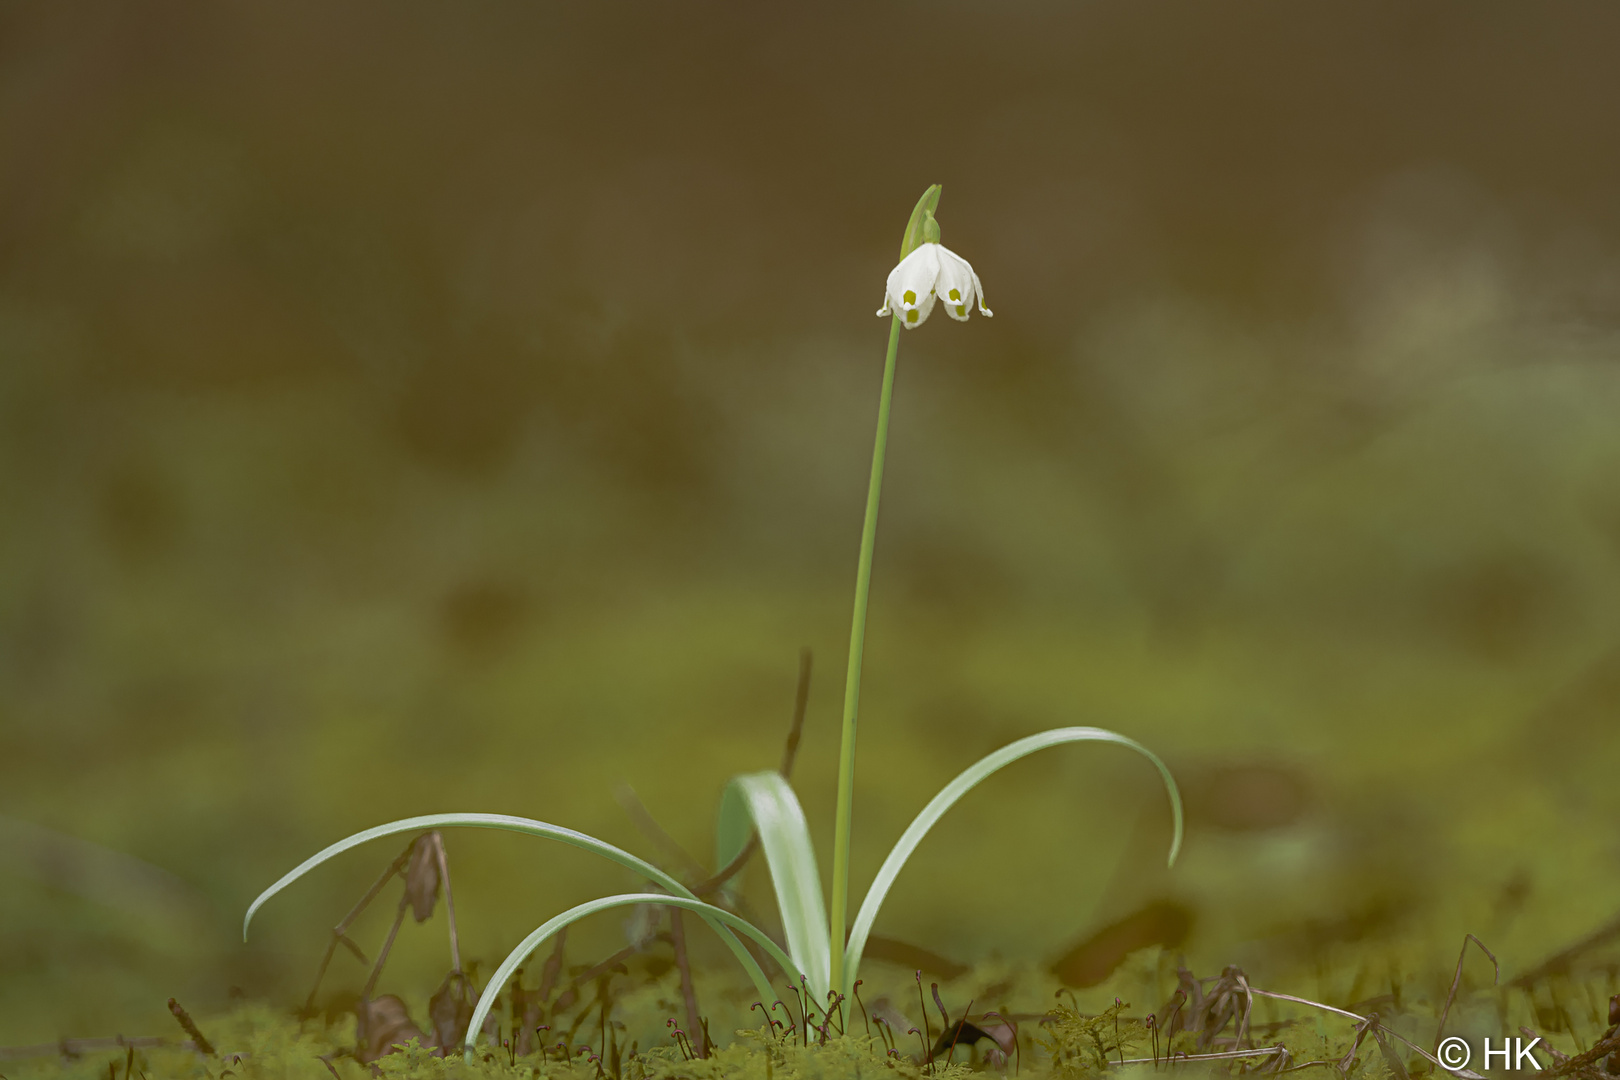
[[412, 407]]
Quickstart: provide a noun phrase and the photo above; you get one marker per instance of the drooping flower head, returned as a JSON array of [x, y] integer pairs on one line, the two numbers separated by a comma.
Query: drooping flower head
[[929, 272]]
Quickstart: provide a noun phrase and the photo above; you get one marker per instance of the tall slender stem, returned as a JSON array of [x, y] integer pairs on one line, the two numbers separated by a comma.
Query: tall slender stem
[[852, 681]]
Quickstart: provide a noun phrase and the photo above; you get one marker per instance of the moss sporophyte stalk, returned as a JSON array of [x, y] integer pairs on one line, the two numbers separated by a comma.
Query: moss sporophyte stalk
[[819, 954]]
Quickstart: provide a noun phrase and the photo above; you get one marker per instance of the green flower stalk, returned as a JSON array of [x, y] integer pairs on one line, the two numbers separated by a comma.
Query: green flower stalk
[[927, 272]]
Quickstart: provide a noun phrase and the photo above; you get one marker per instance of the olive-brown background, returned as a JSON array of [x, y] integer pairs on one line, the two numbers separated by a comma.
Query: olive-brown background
[[417, 407]]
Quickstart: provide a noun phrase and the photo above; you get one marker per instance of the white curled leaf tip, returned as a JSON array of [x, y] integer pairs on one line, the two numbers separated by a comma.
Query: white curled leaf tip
[[714, 916], [784, 836], [970, 778], [529, 827], [426, 822], [932, 273]]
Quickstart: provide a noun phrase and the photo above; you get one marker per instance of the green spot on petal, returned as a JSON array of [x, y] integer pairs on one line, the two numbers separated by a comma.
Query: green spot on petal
[[955, 295], [910, 297], [961, 309], [911, 316]]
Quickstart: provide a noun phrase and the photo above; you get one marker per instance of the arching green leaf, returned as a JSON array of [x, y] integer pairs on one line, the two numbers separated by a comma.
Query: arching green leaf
[[711, 914], [767, 800], [964, 783], [527, 827]]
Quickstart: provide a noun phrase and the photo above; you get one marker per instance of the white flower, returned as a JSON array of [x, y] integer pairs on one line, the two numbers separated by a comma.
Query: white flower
[[932, 272]]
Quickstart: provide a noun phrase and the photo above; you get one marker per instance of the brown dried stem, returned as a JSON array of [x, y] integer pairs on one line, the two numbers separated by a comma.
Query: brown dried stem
[[1366, 1023], [790, 753], [449, 901], [341, 930], [688, 991], [1456, 981], [1224, 1055], [1559, 963], [388, 944], [1584, 1061]]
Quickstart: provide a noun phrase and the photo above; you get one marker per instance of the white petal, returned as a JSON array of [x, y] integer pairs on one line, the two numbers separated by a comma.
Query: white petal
[[986, 312], [911, 285], [957, 284], [917, 314]]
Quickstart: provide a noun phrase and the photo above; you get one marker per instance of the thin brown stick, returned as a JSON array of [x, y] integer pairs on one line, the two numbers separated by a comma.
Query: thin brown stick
[[790, 753], [78, 1047], [1313, 1004], [1310, 1065], [553, 968], [711, 885], [388, 944], [1600, 1050], [1558, 964], [669, 848], [563, 999], [1364, 1023], [1248, 1007], [340, 931], [1456, 981], [801, 701], [1397, 1067], [1225, 1055], [1535, 1037], [958, 1032], [449, 901], [688, 991]]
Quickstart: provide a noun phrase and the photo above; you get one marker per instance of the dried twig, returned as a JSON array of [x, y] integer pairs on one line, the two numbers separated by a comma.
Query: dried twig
[[1583, 1062], [72, 1048], [1559, 963], [449, 900], [387, 946], [1535, 1037], [669, 848], [1224, 1055], [1248, 1007], [553, 968], [790, 753], [1366, 1023], [688, 991], [1456, 981], [341, 930], [565, 999], [801, 701]]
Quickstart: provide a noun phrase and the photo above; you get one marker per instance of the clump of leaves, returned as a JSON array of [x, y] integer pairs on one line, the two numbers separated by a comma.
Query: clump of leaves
[[1085, 1046], [762, 808]]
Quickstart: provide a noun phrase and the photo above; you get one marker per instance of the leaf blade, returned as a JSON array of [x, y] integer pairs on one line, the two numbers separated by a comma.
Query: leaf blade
[[509, 823], [768, 800], [965, 782], [709, 912]]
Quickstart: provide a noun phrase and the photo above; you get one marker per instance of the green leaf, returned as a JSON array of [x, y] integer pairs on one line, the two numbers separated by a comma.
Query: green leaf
[[768, 801], [527, 827], [926, 207], [964, 783], [711, 914], [733, 827]]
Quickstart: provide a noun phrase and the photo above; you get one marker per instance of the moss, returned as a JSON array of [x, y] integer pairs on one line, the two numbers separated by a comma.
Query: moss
[[1083, 1046]]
